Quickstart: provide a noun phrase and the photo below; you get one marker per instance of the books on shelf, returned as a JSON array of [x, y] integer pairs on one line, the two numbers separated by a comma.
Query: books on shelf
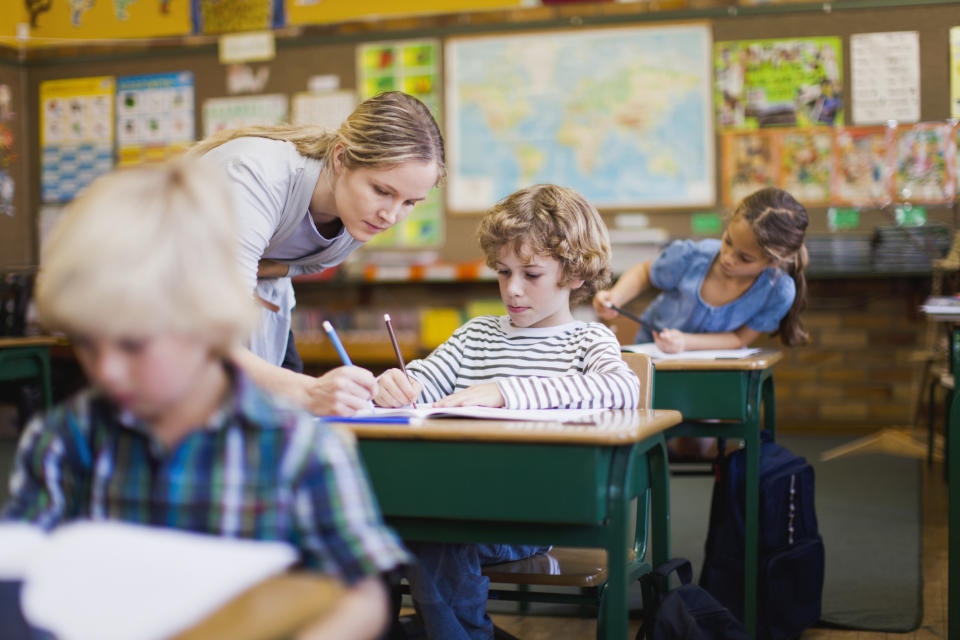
[[652, 350]]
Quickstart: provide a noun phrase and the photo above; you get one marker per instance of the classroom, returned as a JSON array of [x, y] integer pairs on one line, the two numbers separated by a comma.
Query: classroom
[[667, 117]]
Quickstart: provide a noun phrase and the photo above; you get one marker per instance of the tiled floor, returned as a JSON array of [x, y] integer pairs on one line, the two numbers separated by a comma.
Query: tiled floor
[[934, 623]]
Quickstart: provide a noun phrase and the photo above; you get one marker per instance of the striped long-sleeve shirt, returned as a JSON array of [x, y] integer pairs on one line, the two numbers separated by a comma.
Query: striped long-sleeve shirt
[[258, 470], [570, 366]]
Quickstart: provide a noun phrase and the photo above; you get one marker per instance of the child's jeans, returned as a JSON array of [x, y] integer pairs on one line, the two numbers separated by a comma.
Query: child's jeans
[[448, 590]]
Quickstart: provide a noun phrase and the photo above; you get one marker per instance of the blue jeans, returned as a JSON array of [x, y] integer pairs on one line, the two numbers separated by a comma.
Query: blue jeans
[[448, 590]]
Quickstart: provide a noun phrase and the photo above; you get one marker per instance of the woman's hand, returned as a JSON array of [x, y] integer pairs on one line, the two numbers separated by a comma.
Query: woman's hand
[[395, 389], [601, 304], [486, 394], [340, 392], [670, 340], [272, 269]]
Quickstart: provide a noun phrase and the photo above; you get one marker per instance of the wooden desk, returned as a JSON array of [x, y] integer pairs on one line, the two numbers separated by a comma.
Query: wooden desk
[[28, 358], [490, 481], [729, 391], [276, 608]]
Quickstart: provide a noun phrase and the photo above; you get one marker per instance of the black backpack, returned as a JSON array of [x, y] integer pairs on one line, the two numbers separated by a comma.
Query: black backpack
[[687, 612], [790, 555]]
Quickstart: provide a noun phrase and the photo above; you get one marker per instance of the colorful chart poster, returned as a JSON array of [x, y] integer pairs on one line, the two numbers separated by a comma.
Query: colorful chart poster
[[8, 153], [885, 76], [327, 109], [751, 161], [862, 168], [411, 66], [317, 12], [242, 111], [955, 72], [793, 82], [76, 134], [806, 163], [155, 116], [923, 170]]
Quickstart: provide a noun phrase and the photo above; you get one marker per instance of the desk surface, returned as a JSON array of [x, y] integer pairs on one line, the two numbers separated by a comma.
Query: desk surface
[[763, 360], [278, 607], [31, 341], [612, 427]]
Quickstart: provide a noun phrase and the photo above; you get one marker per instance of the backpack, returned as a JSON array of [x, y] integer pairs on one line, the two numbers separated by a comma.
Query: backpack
[[790, 558], [688, 612]]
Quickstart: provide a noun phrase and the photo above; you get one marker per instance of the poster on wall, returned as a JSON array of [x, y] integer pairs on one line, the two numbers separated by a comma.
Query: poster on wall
[[885, 77], [155, 116], [622, 115], [317, 12], [806, 163], [411, 66], [862, 169], [8, 153], [233, 16], [242, 111], [955, 73], [323, 109], [795, 82], [923, 163], [90, 19], [76, 134], [751, 161]]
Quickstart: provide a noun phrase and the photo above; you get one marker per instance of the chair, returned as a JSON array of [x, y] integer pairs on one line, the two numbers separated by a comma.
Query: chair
[[575, 566]]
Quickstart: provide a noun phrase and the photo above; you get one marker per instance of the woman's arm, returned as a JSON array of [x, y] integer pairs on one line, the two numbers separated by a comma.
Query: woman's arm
[[342, 391], [634, 281], [675, 341]]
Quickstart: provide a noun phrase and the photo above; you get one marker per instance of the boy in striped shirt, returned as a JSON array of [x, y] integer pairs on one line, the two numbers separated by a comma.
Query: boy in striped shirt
[[142, 274], [549, 248]]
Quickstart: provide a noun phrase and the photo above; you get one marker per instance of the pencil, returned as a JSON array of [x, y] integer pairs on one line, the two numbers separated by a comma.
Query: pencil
[[396, 348], [633, 317], [335, 339]]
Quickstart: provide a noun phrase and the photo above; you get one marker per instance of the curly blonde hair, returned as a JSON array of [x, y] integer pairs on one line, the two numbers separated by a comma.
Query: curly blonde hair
[[556, 222]]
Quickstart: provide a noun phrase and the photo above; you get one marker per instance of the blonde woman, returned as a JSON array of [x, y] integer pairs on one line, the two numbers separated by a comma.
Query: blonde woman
[[305, 198]]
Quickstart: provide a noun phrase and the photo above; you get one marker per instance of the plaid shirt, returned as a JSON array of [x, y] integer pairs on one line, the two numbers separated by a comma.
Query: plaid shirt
[[256, 470]]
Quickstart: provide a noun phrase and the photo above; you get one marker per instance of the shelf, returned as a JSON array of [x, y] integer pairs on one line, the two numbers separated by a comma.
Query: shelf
[[319, 350]]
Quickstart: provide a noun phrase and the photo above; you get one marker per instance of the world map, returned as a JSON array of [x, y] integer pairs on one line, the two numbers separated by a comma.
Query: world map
[[621, 115]]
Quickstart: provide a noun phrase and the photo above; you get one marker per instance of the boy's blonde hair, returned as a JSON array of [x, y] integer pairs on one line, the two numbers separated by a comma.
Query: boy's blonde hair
[[551, 221], [382, 132], [148, 250]]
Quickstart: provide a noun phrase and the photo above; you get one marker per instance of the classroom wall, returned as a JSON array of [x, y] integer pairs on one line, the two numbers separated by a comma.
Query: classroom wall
[[17, 230]]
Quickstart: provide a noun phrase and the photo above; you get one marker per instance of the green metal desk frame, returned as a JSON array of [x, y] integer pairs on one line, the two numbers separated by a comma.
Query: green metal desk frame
[[726, 403], [527, 492], [27, 359], [953, 482]]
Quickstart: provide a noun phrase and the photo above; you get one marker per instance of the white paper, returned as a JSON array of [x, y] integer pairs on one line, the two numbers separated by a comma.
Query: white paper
[[489, 413], [112, 580], [18, 542], [885, 70], [654, 352], [323, 109]]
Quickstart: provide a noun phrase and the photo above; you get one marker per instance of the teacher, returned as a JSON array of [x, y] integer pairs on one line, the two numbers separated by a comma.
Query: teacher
[[305, 198]]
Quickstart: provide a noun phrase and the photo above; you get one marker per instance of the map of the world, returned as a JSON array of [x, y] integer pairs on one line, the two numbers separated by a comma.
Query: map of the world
[[622, 115]]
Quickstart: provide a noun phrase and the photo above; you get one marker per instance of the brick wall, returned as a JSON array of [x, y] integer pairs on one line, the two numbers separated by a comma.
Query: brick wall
[[863, 365]]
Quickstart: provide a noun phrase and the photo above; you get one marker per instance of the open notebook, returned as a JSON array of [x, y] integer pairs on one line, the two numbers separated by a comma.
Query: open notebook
[[488, 413], [109, 580], [652, 350]]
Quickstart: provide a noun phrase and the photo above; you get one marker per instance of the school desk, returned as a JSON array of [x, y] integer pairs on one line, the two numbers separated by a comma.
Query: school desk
[[493, 481], [28, 358], [278, 607], [722, 399]]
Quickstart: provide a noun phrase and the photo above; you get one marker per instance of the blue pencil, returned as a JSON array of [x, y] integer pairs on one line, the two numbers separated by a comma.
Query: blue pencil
[[368, 419], [335, 339]]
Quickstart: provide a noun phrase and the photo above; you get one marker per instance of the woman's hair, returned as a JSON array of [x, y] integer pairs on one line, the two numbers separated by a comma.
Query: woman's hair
[[148, 250], [779, 224], [551, 221], [382, 132]]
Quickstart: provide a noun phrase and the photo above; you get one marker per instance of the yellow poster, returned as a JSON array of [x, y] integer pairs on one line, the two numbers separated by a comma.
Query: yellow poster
[[76, 134], [51, 22], [317, 12]]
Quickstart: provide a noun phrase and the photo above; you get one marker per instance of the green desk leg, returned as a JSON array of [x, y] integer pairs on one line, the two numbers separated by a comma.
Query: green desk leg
[[953, 522]]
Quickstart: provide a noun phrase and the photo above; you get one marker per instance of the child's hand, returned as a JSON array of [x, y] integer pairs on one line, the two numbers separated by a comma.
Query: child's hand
[[340, 392], [486, 394], [601, 304], [670, 340], [395, 389]]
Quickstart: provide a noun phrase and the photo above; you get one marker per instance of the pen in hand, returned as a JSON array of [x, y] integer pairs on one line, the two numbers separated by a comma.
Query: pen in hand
[[396, 348], [335, 339], [633, 317]]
